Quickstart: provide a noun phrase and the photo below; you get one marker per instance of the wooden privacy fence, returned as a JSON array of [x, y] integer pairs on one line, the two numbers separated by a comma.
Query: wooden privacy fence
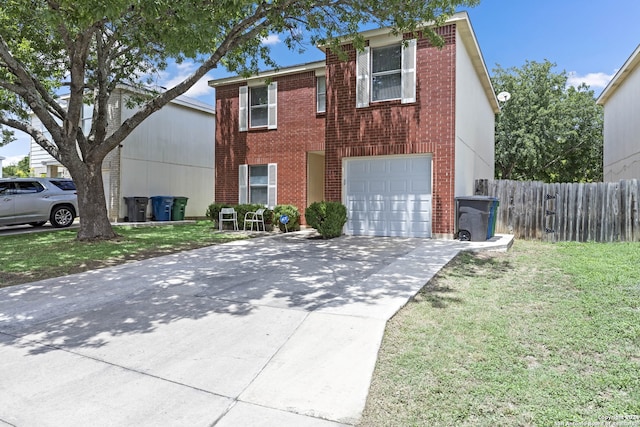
[[600, 212]]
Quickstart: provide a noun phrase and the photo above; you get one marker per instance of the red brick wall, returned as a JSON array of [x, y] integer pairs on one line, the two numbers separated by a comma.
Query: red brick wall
[[388, 128], [299, 130]]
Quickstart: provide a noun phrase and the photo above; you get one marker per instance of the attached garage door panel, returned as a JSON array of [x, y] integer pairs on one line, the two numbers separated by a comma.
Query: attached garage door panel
[[389, 196]]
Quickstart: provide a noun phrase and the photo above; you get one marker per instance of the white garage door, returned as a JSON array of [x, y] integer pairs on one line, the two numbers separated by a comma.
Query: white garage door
[[388, 196]]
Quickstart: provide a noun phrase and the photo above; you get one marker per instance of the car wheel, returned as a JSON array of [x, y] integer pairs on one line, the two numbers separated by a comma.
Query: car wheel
[[61, 216], [37, 224]]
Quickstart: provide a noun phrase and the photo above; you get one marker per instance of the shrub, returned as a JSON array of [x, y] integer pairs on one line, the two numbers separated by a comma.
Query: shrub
[[252, 207], [213, 212], [327, 218], [293, 214]]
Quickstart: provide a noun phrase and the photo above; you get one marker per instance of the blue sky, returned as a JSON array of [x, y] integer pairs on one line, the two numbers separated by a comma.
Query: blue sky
[[589, 40]]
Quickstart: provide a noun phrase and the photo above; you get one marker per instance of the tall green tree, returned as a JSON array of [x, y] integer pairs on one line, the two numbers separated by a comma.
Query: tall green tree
[[21, 169], [91, 46], [547, 131]]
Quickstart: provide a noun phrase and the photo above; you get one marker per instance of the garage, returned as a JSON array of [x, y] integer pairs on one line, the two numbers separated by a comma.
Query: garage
[[388, 196]]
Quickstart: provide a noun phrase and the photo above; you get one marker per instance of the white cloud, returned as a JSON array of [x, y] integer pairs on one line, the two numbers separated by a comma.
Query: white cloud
[[200, 90], [12, 160], [271, 40], [594, 80]]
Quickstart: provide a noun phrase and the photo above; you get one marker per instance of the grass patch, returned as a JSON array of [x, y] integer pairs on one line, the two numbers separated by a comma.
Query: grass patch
[[35, 256], [544, 335]]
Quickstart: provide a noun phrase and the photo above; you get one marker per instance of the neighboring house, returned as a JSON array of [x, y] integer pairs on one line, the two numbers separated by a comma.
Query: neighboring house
[[395, 132], [621, 102], [171, 153]]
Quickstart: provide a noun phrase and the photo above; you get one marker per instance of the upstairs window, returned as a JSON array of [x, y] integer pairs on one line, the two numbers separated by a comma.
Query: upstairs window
[[258, 107], [321, 94], [386, 73], [259, 112]]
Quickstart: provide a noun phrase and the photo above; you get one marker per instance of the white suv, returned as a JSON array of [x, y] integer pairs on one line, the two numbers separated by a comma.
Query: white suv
[[35, 201]]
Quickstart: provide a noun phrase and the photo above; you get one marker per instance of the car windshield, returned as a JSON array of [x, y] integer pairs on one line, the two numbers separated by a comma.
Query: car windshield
[[64, 185]]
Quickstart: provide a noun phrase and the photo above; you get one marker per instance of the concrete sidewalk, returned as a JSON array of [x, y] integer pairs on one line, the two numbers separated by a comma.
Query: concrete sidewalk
[[276, 331]]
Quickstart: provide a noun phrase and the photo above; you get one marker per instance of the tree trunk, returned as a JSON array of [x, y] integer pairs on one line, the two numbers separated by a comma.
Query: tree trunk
[[92, 204]]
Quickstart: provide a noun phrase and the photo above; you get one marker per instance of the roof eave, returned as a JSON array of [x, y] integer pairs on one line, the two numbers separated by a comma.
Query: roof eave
[[625, 71]]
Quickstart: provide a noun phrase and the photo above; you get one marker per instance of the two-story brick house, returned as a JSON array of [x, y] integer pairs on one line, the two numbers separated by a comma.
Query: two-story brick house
[[395, 132]]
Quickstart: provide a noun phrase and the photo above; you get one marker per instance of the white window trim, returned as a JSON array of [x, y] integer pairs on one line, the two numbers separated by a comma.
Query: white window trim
[[318, 109], [244, 110], [272, 185], [408, 74]]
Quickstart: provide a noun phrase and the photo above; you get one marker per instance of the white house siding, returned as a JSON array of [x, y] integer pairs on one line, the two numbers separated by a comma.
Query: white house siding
[[475, 117], [40, 162], [172, 154], [622, 130]]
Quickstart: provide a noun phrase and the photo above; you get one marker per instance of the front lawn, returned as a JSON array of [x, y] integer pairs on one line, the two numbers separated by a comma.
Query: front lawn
[[544, 335], [35, 256]]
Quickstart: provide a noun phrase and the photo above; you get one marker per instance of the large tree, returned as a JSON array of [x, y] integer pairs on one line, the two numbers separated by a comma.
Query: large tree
[[547, 131], [89, 47], [20, 170]]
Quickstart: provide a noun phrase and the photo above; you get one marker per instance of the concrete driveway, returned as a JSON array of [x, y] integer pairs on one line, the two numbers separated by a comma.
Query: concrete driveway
[[275, 331]]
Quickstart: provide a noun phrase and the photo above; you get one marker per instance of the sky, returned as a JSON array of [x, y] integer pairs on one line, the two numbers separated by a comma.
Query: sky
[[590, 40]]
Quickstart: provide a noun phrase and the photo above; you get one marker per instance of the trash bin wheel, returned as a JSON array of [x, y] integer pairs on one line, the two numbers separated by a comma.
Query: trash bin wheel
[[464, 235]]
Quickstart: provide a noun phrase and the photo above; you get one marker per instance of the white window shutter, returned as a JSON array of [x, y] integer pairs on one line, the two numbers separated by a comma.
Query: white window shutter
[[272, 111], [409, 72], [243, 183], [242, 108], [272, 188], [362, 78]]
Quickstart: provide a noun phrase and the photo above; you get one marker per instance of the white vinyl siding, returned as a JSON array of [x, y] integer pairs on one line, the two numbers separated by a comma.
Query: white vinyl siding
[[386, 73]]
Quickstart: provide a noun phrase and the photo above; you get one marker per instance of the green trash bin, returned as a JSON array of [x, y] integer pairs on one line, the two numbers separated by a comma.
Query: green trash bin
[[179, 205]]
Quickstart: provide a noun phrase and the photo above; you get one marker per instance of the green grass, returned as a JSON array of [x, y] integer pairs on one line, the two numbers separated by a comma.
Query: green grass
[[36, 256], [542, 335]]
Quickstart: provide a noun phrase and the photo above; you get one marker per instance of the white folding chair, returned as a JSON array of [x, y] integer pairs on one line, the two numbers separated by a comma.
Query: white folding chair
[[256, 217], [228, 215]]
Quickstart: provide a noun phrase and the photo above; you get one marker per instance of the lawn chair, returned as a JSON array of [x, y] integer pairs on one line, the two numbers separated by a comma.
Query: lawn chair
[[229, 215], [256, 217]]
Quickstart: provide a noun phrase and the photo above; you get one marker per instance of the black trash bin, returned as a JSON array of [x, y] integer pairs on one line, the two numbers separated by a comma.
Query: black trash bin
[[476, 217], [136, 209], [179, 205], [162, 207]]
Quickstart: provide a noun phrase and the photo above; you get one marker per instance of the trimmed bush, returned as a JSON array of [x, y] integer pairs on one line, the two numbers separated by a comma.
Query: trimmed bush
[[327, 218], [252, 207], [213, 212], [293, 214]]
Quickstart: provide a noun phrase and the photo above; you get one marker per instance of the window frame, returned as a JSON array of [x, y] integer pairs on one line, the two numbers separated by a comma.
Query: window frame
[[408, 77], [262, 186], [385, 73], [321, 94], [263, 106]]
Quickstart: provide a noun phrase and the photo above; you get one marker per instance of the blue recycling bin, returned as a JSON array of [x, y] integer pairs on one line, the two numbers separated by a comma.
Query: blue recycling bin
[[162, 207]]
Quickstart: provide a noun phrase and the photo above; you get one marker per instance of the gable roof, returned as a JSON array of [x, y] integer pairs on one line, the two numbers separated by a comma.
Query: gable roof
[[629, 66], [463, 24]]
